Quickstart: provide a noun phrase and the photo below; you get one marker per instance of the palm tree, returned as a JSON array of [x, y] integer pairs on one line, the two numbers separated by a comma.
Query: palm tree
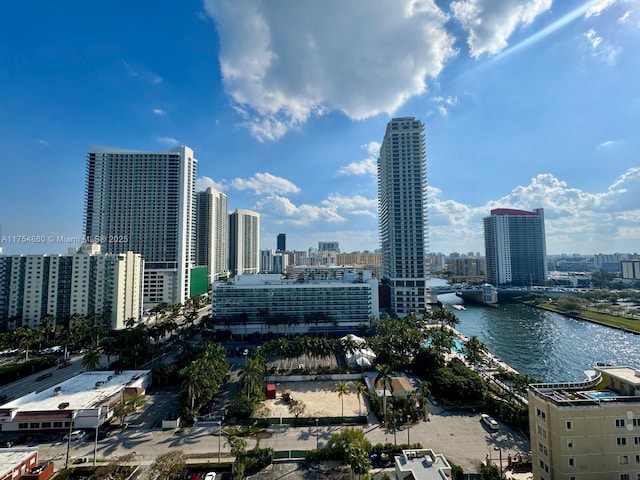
[[92, 359], [361, 391], [384, 375], [24, 339], [474, 350], [342, 389], [423, 396]]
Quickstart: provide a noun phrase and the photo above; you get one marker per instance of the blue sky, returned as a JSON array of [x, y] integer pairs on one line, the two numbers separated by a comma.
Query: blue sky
[[526, 104]]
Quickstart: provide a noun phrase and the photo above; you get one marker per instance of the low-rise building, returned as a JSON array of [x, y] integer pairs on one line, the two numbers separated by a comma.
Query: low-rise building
[[421, 464], [587, 430], [17, 461], [83, 401]]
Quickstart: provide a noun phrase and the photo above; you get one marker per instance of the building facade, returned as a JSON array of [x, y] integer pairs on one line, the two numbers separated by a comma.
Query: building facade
[[515, 244], [329, 247], [281, 242], [82, 283], [466, 269], [212, 233], [145, 202], [273, 261], [630, 269], [587, 430], [269, 303], [402, 204], [244, 242]]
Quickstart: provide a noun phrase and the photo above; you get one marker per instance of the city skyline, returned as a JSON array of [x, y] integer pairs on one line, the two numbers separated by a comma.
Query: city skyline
[[525, 105]]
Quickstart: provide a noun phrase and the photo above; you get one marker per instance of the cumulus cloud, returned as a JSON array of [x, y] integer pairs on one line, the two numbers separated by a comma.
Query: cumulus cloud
[[305, 58], [490, 23], [593, 38], [265, 183], [355, 205], [158, 111], [203, 183], [625, 17], [167, 140], [281, 210], [367, 166]]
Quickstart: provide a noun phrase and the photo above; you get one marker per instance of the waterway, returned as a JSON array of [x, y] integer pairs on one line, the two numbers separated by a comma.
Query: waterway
[[544, 344]]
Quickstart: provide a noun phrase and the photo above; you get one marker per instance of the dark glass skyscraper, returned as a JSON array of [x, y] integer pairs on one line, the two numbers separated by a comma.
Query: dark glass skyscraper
[[515, 247]]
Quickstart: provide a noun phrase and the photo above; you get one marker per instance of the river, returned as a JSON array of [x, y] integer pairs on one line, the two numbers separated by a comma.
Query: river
[[544, 344]]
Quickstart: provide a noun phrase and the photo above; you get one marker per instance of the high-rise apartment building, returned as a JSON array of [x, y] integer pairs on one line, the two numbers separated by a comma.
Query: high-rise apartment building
[[402, 203], [244, 242], [329, 247], [81, 283], [281, 245], [145, 202], [587, 430], [212, 233], [516, 252]]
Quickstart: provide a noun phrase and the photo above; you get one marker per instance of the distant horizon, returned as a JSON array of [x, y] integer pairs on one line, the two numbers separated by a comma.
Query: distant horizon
[[526, 105]]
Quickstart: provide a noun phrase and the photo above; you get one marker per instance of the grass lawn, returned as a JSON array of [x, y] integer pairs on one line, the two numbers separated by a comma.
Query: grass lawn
[[604, 318]]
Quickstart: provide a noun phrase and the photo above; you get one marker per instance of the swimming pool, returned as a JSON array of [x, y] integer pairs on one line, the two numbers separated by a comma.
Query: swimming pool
[[457, 345], [601, 394]]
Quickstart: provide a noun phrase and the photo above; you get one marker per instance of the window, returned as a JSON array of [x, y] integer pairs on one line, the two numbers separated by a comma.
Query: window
[[23, 426], [569, 425], [625, 476], [636, 441], [572, 462], [623, 459], [621, 441], [569, 442], [541, 414], [620, 422]]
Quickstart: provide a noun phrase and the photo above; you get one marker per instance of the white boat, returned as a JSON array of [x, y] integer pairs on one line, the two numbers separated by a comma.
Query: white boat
[[457, 306]]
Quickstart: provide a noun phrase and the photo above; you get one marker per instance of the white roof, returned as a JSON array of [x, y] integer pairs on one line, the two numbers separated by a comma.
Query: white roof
[[11, 457], [83, 391]]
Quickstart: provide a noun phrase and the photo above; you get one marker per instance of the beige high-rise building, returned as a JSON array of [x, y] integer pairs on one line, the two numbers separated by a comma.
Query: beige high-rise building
[[587, 430]]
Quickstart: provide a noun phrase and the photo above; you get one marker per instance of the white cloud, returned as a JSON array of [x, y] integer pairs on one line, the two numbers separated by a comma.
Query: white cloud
[[265, 183], [281, 210], [607, 144], [44, 143], [598, 7], [367, 166], [305, 58], [356, 205], [443, 110], [203, 183], [593, 38], [168, 140], [490, 23], [625, 17], [158, 111]]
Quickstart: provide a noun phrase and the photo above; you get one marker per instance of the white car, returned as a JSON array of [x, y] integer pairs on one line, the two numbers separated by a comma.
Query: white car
[[75, 435], [489, 422], [210, 476]]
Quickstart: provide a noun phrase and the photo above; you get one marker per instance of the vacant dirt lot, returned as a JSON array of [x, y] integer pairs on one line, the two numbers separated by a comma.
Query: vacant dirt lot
[[319, 397]]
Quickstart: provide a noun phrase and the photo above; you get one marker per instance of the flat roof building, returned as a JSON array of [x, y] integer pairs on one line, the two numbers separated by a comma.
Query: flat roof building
[[264, 303], [587, 430], [421, 464], [17, 461], [86, 399]]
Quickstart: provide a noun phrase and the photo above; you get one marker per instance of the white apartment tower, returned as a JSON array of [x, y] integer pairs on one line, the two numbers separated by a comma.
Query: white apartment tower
[[244, 242], [212, 233], [402, 203], [145, 202]]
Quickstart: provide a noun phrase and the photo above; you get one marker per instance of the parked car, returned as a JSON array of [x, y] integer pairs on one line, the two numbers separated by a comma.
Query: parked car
[[64, 364], [210, 476], [75, 435], [489, 422], [43, 376]]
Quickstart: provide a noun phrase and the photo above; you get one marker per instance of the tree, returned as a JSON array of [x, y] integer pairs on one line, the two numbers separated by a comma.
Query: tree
[[24, 339], [92, 359], [237, 445], [474, 350], [358, 459], [342, 389], [361, 390], [296, 408], [424, 393], [384, 375], [168, 465]]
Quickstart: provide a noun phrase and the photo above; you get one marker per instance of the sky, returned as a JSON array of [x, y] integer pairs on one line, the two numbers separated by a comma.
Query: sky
[[526, 104]]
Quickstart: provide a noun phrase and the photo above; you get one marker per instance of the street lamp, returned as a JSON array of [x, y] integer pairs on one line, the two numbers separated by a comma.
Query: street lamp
[[500, 451], [408, 428], [73, 415], [317, 434], [219, 439]]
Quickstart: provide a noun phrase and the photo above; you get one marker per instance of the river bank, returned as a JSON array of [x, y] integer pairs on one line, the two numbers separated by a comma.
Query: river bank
[[618, 323]]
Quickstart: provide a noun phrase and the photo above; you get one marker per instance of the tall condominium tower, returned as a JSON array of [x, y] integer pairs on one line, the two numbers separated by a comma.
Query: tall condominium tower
[[145, 202], [212, 233], [281, 245], [244, 242], [402, 203], [515, 247]]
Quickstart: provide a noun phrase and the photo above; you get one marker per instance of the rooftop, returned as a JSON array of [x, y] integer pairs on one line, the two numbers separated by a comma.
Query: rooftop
[[10, 457], [423, 464], [84, 391]]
